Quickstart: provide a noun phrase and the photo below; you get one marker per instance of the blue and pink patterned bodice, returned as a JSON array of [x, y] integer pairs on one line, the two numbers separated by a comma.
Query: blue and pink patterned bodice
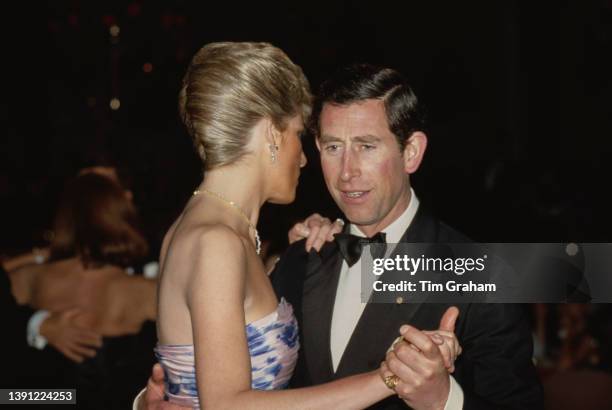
[[273, 346]]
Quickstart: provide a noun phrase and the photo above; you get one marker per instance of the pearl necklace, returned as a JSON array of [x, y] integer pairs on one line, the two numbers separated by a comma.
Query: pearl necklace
[[240, 211]]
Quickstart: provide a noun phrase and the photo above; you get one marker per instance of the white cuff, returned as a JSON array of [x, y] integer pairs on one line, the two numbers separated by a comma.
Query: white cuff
[[455, 396], [137, 399], [150, 270], [33, 330]]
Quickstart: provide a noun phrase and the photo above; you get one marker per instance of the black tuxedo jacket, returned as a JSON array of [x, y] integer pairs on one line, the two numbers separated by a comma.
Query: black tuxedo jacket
[[14, 320], [495, 369], [24, 366]]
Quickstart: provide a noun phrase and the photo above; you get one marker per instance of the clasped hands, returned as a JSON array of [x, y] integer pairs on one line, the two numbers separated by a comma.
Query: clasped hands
[[418, 364]]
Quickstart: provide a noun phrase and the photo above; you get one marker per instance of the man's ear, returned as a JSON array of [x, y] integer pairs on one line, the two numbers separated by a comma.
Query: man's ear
[[414, 151], [318, 143]]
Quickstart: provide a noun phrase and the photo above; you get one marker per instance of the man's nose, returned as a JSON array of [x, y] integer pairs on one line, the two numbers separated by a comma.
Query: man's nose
[[350, 166]]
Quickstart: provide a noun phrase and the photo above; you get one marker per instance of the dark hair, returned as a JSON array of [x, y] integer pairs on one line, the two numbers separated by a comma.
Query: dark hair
[[359, 82], [96, 221]]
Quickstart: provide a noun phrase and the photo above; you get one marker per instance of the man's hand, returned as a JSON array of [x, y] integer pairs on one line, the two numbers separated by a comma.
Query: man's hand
[[316, 229], [419, 363], [153, 398], [74, 342]]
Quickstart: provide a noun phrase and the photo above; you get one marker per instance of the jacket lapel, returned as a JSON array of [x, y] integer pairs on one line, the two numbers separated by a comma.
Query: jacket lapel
[[380, 322], [319, 294]]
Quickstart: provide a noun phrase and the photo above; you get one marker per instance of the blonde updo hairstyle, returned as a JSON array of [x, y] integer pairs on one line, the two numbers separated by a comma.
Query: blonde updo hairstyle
[[229, 87]]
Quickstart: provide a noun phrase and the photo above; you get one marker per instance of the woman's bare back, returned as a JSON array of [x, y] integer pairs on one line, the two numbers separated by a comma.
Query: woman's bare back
[[109, 301]]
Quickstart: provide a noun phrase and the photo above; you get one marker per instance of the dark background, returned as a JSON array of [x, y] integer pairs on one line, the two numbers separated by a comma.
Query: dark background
[[518, 96]]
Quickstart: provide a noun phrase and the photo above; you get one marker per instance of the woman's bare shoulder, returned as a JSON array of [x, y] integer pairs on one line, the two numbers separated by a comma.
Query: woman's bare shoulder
[[218, 258], [204, 240], [22, 281]]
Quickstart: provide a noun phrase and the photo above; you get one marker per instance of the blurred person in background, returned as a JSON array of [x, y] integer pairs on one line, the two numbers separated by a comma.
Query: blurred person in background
[[55, 329], [96, 238], [574, 361]]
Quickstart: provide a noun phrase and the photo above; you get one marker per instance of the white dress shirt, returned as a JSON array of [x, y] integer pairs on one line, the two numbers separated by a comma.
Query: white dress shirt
[[348, 305]]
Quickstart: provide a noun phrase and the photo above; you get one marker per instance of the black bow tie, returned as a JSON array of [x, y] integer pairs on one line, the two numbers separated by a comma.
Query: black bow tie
[[351, 246]]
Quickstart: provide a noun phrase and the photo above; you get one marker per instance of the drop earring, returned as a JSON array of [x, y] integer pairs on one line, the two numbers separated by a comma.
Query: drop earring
[[273, 151]]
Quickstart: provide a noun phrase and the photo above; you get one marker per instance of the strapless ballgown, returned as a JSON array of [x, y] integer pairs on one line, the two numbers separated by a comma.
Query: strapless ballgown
[[273, 346]]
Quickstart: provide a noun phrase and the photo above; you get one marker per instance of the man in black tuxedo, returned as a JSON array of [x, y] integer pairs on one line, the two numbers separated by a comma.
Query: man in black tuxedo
[[56, 329], [369, 131]]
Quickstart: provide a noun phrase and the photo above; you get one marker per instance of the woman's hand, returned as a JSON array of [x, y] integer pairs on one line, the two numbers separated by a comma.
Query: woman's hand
[[448, 344], [316, 229], [444, 337]]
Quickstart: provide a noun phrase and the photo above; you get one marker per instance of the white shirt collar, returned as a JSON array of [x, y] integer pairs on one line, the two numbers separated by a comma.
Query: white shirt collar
[[397, 228]]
